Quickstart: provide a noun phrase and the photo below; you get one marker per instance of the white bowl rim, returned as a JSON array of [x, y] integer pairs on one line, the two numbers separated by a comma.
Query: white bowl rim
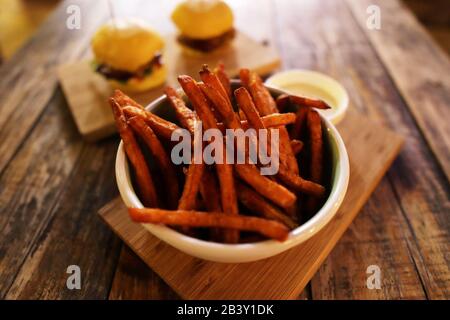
[[229, 252]]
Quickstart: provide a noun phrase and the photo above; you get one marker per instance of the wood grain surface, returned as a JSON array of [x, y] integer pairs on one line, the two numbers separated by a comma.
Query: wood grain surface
[[52, 182]]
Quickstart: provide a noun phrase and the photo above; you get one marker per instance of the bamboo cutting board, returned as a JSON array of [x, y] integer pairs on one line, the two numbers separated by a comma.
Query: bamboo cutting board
[[91, 111], [371, 149]]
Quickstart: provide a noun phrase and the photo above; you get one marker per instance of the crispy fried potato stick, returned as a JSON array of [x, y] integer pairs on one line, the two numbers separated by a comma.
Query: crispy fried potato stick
[[244, 75], [300, 121], [144, 179], [297, 146], [315, 134], [224, 171], [316, 161], [258, 205], [262, 97], [301, 185], [161, 127], [125, 100], [162, 159], [223, 78], [308, 102], [268, 188], [198, 100], [270, 121], [245, 103], [209, 78], [186, 116], [209, 191], [283, 100], [242, 115], [269, 228], [188, 200], [222, 105], [278, 119], [266, 105]]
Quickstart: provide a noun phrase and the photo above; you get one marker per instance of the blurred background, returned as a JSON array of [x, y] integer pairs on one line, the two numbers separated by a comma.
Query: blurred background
[[19, 19]]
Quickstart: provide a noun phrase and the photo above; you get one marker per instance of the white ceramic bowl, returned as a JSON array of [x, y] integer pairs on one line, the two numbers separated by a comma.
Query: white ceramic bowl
[[236, 253], [315, 85]]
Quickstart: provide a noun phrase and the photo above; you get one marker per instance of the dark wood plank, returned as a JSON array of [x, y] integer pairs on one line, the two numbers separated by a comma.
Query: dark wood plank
[[372, 91], [31, 186], [419, 68], [53, 180], [136, 281], [70, 234]]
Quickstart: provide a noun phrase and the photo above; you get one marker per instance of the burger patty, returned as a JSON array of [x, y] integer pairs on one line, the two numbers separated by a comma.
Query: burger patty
[[121, 75], [206, 45]]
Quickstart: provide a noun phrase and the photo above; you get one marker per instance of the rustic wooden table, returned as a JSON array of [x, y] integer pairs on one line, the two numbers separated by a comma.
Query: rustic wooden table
[[52, 182]]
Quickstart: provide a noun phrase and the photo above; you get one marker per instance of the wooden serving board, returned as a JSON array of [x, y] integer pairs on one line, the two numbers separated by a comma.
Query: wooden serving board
[[87, 92], [371, 149]]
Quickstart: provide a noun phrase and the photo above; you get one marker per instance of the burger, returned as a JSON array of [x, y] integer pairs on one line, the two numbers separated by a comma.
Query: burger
[[204, 25], [128, 53]]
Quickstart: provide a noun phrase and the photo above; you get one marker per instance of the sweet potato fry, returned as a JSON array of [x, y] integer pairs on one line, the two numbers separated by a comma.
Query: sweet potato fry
[[161, 158], [269, 121], [246, 104], [223, 78], [297, 146], [224, 171], [262, 97], [299, 184], [316, 146], [222, 105], [254, 120], [269, 228], [147, 192], [258, 205], [287, 156], [278, 119], [265, 104], [300, 123], [308, 102], [210, 79], [161, 127], [209, 191], [268, 188], [242, 115], [316, 149], [228, 197], [191, 187], [125, 100], [244, 75], [198, 100], [186, 116]]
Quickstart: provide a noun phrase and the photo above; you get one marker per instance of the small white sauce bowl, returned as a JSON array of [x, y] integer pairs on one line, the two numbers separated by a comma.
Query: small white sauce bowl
[[326, 87], [238, 253]]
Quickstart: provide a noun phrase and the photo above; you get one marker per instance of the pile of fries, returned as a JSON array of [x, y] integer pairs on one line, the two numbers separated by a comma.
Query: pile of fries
[[229, 203]]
